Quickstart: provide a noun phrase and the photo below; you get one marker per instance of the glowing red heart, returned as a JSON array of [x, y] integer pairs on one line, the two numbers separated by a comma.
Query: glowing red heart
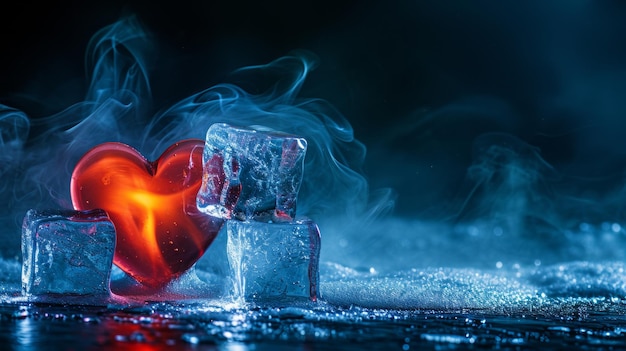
[[160, 232]]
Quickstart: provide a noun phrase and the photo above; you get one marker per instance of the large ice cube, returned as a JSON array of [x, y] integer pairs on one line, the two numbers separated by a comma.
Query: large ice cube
[[67, 252], [266, 165], [273, 261]]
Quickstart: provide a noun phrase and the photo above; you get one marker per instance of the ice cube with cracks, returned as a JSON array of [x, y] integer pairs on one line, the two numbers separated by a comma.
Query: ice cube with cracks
[[267, 165], [272, 254], [273, 261], [67, 252]]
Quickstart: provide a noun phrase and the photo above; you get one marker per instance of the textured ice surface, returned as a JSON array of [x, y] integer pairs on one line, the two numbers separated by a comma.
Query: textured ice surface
[[450, 294], [428, 288], [496, 290], [273, 261], [267, 165], [446, 268], [67, 252], [581, 279]]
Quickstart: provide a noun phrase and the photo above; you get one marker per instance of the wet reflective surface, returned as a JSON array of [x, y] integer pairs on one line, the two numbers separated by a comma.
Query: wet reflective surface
[[580, 324]]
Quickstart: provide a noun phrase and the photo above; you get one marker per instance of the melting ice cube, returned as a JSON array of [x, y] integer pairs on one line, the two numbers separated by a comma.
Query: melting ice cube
[[271, 254], [266, 165], [67, 252], [270, 261]]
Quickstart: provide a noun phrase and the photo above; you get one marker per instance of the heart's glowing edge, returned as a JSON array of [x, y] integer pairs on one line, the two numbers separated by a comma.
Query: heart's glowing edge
[[160, 232]]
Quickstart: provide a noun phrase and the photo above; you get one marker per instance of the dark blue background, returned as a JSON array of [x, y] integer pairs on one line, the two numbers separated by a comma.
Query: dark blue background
[[420, 81]]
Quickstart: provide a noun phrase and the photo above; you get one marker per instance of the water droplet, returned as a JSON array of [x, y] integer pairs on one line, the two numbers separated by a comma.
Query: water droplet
[[190, 338], [497, 231], [138, 337], [616, 227]]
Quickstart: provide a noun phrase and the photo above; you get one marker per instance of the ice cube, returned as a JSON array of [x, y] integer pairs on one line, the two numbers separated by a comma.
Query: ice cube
[[273, 261], [67, 252], [266, 165]]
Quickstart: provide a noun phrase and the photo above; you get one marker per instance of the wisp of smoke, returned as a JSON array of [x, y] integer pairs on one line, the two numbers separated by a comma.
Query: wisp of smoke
[[36, 166]]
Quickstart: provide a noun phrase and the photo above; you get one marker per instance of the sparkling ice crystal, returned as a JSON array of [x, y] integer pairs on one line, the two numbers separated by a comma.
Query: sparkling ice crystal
[[271, 261], [266, 165], [67, 252]]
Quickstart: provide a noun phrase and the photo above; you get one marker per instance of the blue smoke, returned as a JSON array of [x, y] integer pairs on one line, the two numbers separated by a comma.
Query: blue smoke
[[118, 107], [499, 130]]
